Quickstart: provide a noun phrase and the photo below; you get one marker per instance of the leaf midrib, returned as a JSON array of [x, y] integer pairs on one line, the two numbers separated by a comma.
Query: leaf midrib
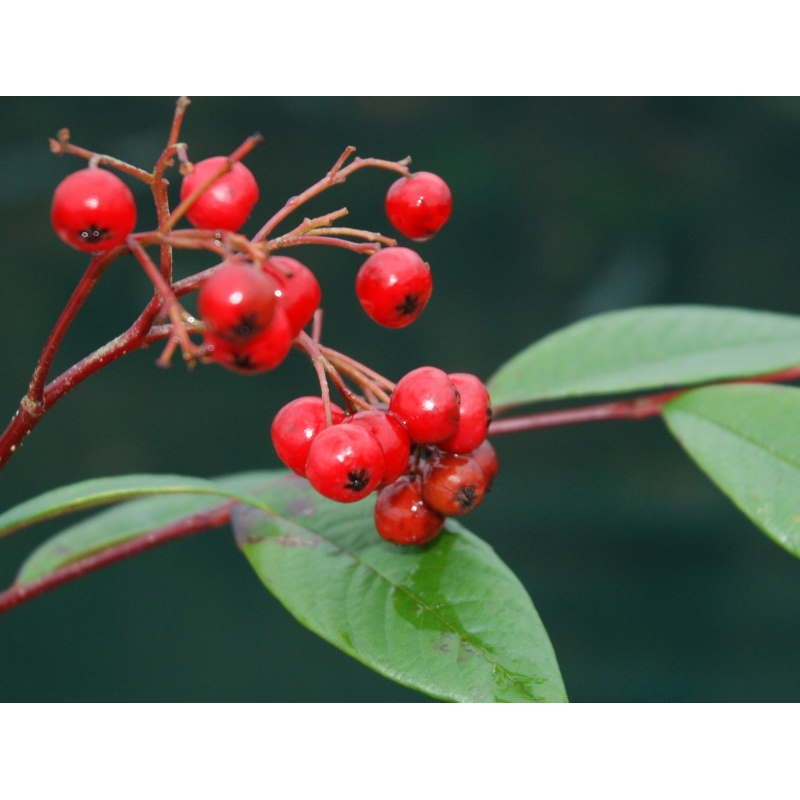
[[738, 434], [464, 637]]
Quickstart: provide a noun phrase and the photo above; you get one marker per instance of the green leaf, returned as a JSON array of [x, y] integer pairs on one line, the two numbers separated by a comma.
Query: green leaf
[[747, 439], [127, 521], [102, 491], [647, 348], [449, 619]]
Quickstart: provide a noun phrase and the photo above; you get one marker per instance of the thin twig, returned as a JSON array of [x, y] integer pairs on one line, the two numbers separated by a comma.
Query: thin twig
[[63, 146], [338, 173]]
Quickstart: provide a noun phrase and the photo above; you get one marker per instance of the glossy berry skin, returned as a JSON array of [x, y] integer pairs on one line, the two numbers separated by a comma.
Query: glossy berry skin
[[227, 203], [453, 484], [298, 289], [237, 301], [260, 353], [296, 425], [93, 210], [391, 436], [401, 515], [474, 414], [486, 457], [393, 286], [426, 402], [345, 463], [419, 205]]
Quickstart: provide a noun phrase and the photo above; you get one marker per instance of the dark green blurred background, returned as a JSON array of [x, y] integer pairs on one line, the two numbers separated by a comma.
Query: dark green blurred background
[[651, 585]]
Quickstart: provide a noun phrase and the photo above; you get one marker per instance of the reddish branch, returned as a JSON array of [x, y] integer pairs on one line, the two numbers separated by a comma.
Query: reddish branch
[[634, 408], [196, 523]]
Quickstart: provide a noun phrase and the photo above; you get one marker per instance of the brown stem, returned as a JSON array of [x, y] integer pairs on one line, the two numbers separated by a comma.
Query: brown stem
[[175, 310], [357, 234], [340, 358], [314, 222], [311, 348], [62, 146], [338, 173], [204, 520], [356, 247]]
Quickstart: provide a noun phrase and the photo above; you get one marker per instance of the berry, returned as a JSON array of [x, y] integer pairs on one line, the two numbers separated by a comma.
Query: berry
[[426, 402], [93, 210], [474, 414], [391, 436], [296, 425], [237, 301], [298, 290], [453, 484], [227, 203], [419, 205], [486, 457], [262, 352], [394, 286], [345, 463], [402, 517]]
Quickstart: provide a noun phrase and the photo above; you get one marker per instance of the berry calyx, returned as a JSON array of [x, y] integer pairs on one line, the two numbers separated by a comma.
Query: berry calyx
[[237, 301], [93, 210], [391, 436], [401, 516], [297, 288], [486, 457], [227, 203], [393, 286], [474, 414], [453, 484], [426, 402], [260, 353], [419, 205], [345, 463], [296, 426]]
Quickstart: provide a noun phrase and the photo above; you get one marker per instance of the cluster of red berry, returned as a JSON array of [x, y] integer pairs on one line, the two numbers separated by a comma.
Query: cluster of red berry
[[427, 452], [425, 449]]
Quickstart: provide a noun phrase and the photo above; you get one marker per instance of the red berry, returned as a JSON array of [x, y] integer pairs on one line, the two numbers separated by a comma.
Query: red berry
[[394, 286], [426, 402], [260, 353], [296, 425], [237, 301], [298, 290], [474, 413], [402, 517], [486, 457], [227, 203], [419, 205], [391, 436], [345, 463], [93, 210], [453, 484]]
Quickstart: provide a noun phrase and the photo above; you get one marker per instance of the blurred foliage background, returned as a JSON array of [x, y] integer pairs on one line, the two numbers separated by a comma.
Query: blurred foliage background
[[652, 586]]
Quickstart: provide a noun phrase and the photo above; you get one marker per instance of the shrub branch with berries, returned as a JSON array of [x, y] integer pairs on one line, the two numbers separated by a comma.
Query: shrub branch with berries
[[442, 614]]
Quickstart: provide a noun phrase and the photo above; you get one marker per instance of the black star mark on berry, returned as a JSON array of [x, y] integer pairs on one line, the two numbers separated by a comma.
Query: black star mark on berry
[[357, 479], [408, 306], [466, 496], [243, 361], [246, 326], [93, 234]]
